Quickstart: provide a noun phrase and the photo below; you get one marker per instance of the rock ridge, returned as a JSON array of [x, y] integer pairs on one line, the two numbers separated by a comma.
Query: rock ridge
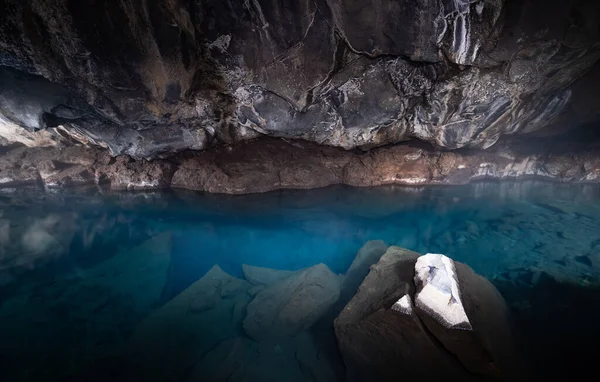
[[269, 164]]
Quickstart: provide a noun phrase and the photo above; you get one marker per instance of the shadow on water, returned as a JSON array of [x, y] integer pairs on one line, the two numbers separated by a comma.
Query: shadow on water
[[557, 326]]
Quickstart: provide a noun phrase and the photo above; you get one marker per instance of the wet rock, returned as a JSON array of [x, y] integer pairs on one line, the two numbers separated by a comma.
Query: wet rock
[[447, 322], [474, 325], [105, 302], [268, 164], [293, 304], [240, 359], [380, 336], [369, 254], [186, 328], [264, 276], [149, 262]]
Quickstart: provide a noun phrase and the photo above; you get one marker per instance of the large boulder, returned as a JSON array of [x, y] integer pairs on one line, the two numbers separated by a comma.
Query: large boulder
[[293, 304], [467, 314], [379, 334], [187, 327], [426, 317]]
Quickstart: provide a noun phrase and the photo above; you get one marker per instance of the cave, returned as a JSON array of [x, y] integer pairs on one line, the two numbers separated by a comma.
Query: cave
[[311, 190]]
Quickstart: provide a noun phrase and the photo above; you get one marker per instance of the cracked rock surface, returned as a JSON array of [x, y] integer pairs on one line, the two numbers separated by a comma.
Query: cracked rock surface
[[151, 79]]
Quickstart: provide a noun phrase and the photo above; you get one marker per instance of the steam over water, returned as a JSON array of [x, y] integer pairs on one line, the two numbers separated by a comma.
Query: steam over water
[[94, 285]]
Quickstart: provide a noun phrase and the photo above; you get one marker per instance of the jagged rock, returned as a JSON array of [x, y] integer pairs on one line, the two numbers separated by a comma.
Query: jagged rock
[[182, 331], [466, 313], [352, 74], [438, 293], [264, 276], [293, 304], [448, 322], [267, 164], [369, 254], [379, 334]]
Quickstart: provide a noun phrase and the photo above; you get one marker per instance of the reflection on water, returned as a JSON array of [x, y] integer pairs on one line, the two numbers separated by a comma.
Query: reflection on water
[[105, 285]]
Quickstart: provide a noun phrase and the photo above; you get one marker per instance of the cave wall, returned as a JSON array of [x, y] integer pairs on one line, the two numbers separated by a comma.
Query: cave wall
[[152, 78]]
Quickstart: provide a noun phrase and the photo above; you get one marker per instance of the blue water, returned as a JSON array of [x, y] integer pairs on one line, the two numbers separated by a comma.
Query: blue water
[[84, 274]]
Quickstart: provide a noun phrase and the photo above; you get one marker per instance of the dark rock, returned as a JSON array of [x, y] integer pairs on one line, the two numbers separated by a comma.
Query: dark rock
[[268, 164], [381, 343], [292, 305], [449, 322], [585, 260], [352, 74]]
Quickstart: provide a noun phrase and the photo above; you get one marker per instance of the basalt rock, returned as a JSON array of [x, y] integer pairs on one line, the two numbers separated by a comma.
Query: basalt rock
[[268, 164], [150, 79], [427, 317]]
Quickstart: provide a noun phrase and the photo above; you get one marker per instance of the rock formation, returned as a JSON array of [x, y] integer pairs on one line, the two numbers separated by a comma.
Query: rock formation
[[265, 165], [426, 317], [292, 304], [150, 79]]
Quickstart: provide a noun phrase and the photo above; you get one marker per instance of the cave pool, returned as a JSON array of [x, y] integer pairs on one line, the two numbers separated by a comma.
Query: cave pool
[[82, 271]]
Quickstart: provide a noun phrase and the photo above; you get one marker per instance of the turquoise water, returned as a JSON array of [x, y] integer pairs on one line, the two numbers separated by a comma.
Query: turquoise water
[[92, 283]]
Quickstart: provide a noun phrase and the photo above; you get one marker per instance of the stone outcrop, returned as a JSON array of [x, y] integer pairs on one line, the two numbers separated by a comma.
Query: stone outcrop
[[292, 304], [426, 317], [149, 79], [268, 164]]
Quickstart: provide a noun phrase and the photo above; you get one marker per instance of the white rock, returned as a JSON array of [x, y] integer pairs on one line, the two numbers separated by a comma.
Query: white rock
[[403, 305], [438, 292]]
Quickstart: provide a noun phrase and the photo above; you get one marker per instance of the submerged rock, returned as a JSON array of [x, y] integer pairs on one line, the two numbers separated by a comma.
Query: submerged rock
[[90, 313], [239, 359], [369, 254], [264, 276], [447, 322], [293, 304], [181, 332]]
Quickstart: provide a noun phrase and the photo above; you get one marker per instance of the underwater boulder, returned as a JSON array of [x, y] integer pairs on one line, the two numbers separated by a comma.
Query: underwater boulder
[[105, 302], [264, 276], [180, 333], [369, 254], [240, 359], [293, 304], [426, 317]]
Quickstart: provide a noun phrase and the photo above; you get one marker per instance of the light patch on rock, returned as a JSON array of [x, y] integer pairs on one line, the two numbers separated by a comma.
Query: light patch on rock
[[438, 291], [221, 43], [403, 305], [16, 134], [37, 239]]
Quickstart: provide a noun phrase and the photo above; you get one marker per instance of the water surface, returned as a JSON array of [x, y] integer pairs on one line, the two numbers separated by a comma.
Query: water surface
[[87, 278]]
